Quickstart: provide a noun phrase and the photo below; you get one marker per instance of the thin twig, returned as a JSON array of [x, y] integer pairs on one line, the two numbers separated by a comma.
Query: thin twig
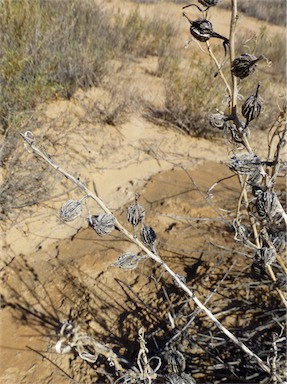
[[219, 67]]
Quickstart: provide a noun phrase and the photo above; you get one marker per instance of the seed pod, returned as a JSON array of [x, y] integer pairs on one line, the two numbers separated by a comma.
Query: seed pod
[[266, 203], [252, 107], [237, 133], [244, 164], [128, 261], [255, 178], [279, 243], [242, 233], [209, 3], [266, 255], [202, 30], [205, 3], [136, 213], [278, 239], [102, 224], [71, 210], [148, 236], [244, 65], [280, 282]]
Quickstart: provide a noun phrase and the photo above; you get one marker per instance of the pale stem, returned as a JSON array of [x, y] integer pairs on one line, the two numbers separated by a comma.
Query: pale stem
[[232, 52], [219, 66]]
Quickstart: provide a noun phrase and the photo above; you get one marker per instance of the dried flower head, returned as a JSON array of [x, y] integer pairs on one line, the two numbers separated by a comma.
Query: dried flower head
[[148, 236], [102, 224], [252, 107], [244, 65], [71, 210], [128, 261]]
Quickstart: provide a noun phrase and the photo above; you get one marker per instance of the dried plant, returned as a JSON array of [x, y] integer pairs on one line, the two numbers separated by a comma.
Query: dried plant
[[259, 224]]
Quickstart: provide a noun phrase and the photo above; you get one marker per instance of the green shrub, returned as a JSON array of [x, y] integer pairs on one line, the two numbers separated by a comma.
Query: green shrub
[[51, 48], [189, 95]]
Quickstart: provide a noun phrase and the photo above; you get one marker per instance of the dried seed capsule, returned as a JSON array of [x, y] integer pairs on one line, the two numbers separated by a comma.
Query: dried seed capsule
[[136, 213], [255, 177], [148, 236], [244, 65], [128, 261], [278, 240], [205, 3], [266, 203], [102, 224], [252, 107], [237, 133], [209, 3], [280, 282], [242, 233], [71, 210], [279, 243], [266, 255], [244, 164], [202, 30]]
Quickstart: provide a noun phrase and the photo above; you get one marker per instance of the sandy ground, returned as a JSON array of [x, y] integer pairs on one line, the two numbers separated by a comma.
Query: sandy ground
[[65, 269]]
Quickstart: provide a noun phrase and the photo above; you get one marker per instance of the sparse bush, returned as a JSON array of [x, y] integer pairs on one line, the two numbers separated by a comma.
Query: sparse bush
[[189, 97], [273, 11], [52, 48]]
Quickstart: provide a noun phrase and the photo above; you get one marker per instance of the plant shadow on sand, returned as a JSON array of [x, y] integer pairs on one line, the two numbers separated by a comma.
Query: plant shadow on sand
[[81, 286]]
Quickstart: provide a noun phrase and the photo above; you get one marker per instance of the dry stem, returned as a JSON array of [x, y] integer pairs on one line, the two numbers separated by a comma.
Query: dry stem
[[28, 138]]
